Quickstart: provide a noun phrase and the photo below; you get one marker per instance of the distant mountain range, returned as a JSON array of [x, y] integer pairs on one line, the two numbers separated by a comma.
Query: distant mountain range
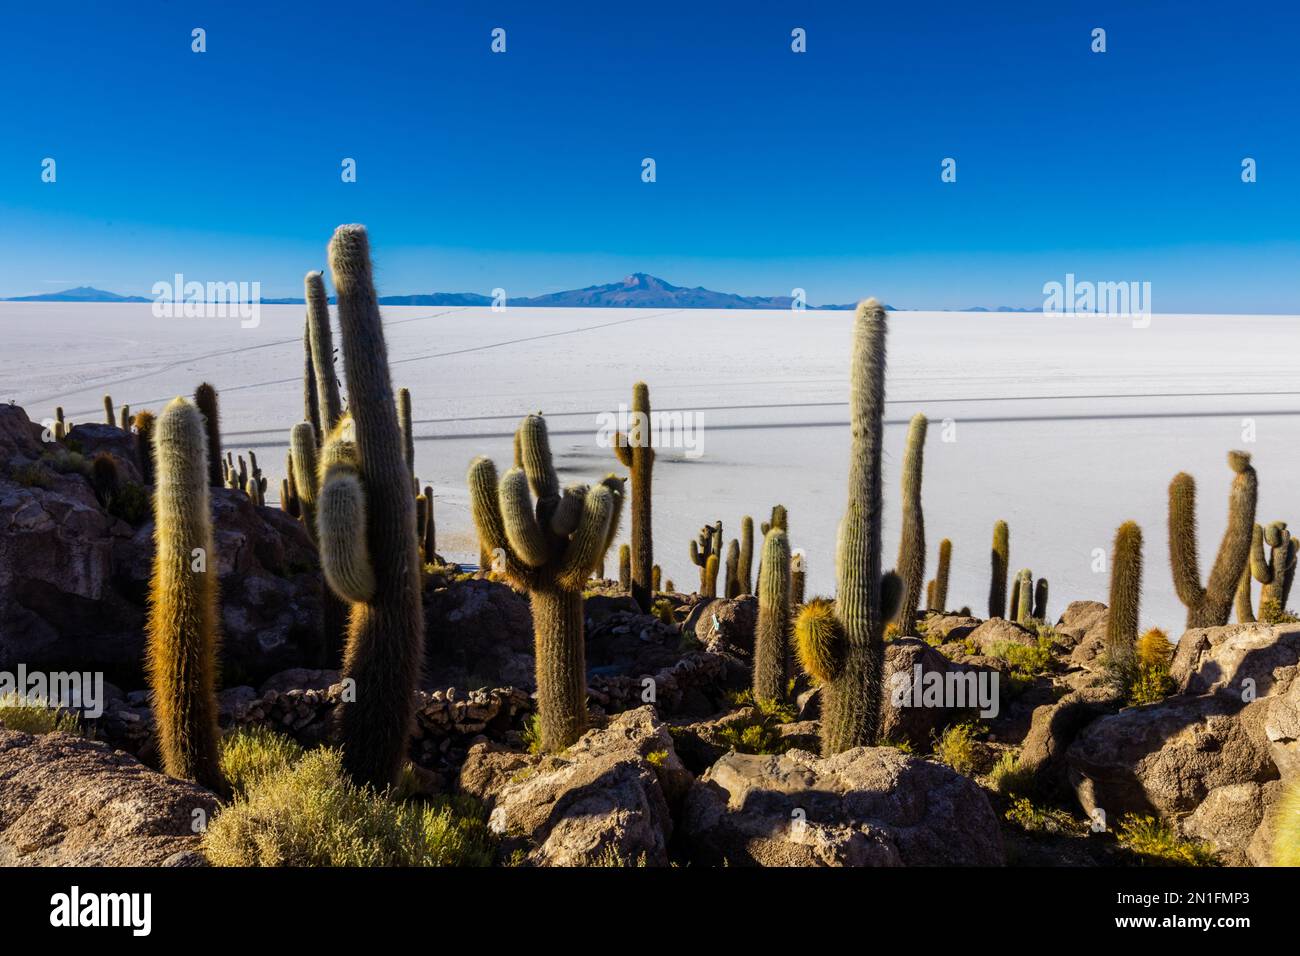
[[637, 291]]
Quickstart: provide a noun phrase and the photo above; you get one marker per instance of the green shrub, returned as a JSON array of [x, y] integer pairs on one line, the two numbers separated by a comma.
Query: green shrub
[[532, 734], [759, 730], [1272, 612], [1009, 778], [1159, 844], [132, 503], [33, 475], [956, 747], [310, 814], [67, 462], [35, 717], [1034, 819], [254, 753]]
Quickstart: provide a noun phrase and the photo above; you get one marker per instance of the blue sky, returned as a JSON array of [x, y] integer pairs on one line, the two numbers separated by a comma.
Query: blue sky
[[774, 169]]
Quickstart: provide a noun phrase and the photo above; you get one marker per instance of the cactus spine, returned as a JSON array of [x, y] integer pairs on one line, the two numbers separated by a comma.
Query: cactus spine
[[182, 641], [744, 568], [939, 601], [852, 696], [637, 455], [1125, 596], [205, 397], [773, 626], [1211, 605], [1000, 558], [385, 640], [549, 548], [911, 545]]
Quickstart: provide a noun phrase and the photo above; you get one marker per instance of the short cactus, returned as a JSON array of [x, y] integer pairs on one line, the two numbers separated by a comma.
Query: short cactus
[[911, 545], [181, 634], [732, 570], [1040, 600], [1024, 594], [771, 632], [625, 567], [939, 599], [550, 548], [798, 578], [60, 424], [385, 640], [1125, 598], [636, 454], [105, 479], [143, 425], [1286, 835], [109, 417], [656, 578], [430, 535], [205, 397], [1281, 570], [124, 418], [1000, 558], [1211, 605]]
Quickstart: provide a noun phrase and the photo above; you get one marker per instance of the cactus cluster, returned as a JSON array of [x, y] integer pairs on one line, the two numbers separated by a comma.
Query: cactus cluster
[[847, 642], [706, 552], [549, 547]]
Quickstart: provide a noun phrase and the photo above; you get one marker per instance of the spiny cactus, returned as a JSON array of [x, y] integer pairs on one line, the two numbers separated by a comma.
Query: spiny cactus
[[105, 479], [1000, 558], [408, 433], [732, 570], [385, 640], [939, 599], [326, 405], [60, 425], [911, 545], [625, 567], [109, 417], [1286, 838], [144, 428], [656, 578], [430, 528], [771, 632], [819, 641], [124, 418], [290, 494], [1211, 605], [549, 548], [744, 569], [851, 698], [636, 454], [181, 636], [205, 397], [669, 587], [310, 400], [1024, 594], [1125, 597], [1040, 600], [708, 544], [798, 578], [1281, 565]]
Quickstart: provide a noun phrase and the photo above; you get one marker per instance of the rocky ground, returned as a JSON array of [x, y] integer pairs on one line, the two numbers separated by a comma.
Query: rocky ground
[[677, 768]]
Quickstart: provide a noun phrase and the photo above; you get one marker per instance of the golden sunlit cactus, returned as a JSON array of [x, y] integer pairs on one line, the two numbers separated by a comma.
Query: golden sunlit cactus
[[181, 635], [771, 632], [1125, 600], [636, 454]]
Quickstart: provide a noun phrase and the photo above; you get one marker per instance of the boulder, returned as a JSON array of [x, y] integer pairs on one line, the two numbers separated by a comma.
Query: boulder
[[93, 438], [871, 806], [1167, 757], [1054, 727], [947, 628], [478, 632], [19, 441], [1282, 730], [1211, 660], [1079, 618], [906, 715], [68, 801], [605, 800], [996, 631], [730, 620], [1228, 818]]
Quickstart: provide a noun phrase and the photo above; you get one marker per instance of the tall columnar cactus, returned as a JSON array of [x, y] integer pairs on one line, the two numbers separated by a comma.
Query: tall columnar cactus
[[1024, 593], [1211, 605], [408, 433], [430, 527], [708, 544], [549, 547], [732, 569], [851, 642], [1000, 559], [181, 636], [205, 397], [109, 417], [310, 400], [144, 429], [744, 569], [911, 545], [1040, 600], [1125, 597], [771, 632], [625, 567], [636, 454], [326, 405], [939, 600], [385, 640]]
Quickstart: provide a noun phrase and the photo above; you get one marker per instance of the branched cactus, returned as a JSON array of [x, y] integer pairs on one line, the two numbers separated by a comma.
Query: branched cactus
[[1211, 605], [1125, 598], [708, 544], [385, 640], [181, 636], [205, 397], [1000, 559], [635, 453], [1281, 571], [911, 545], [745, 566], [939, 599], [771, 632], [550, 548], [854, 649]]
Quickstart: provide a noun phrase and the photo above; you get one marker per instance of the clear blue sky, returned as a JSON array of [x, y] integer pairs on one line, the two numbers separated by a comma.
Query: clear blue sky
[[775, 169]]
